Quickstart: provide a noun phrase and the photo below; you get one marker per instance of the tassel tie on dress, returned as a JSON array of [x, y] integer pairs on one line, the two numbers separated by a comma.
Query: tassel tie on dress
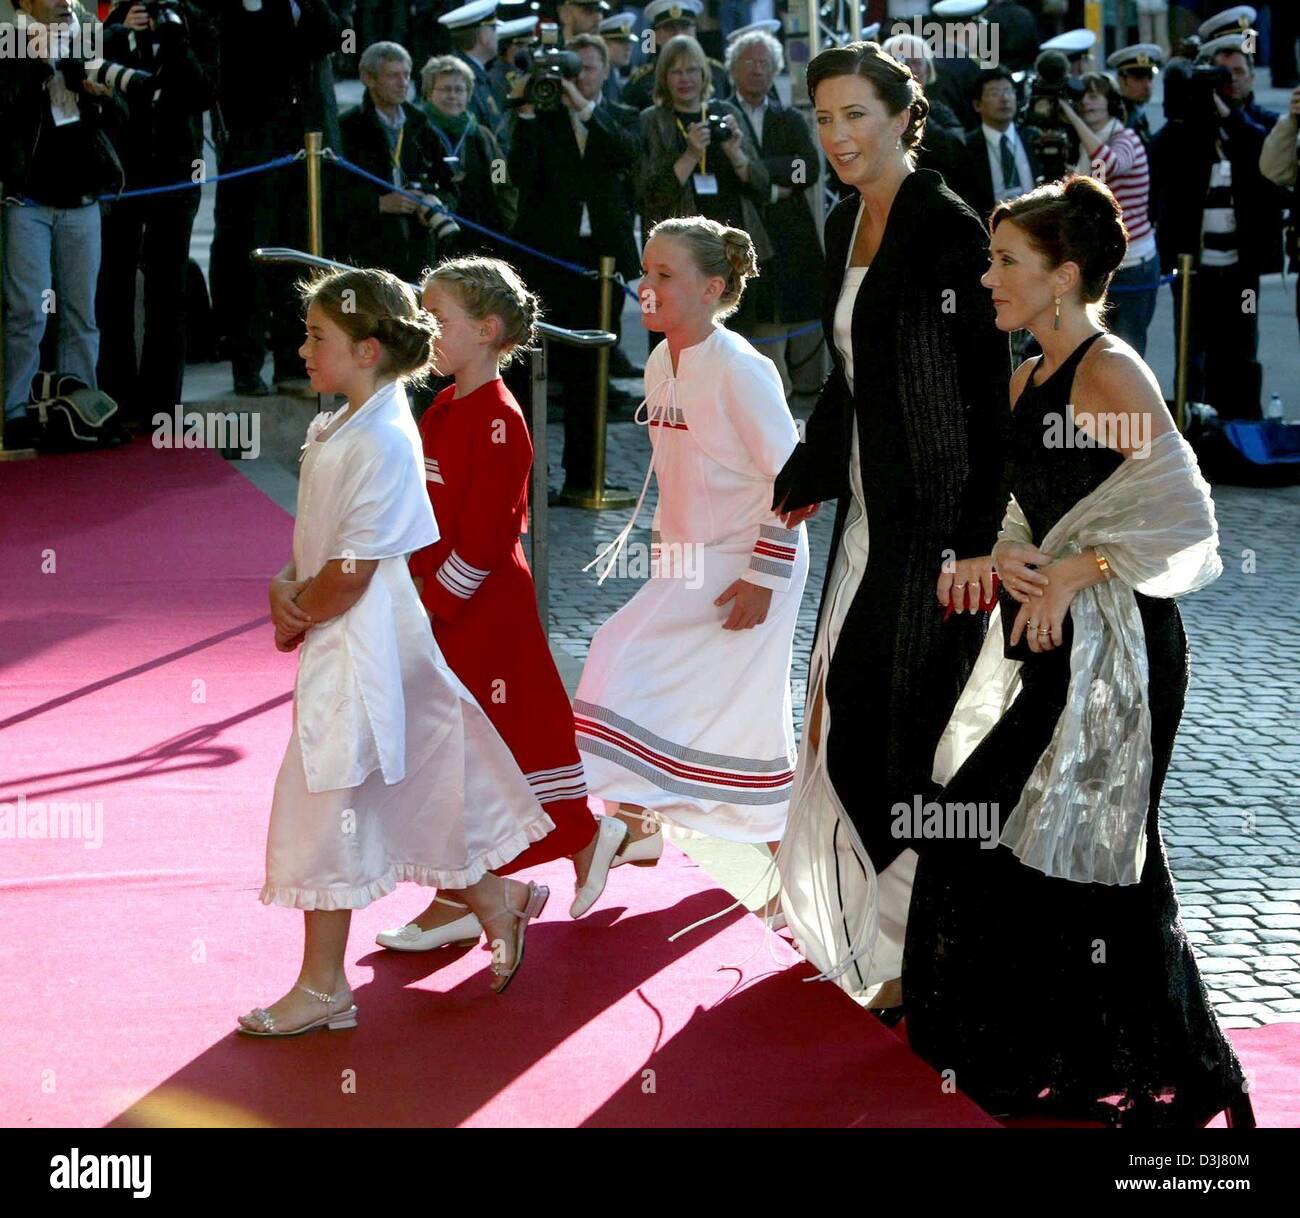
[[654, 414]]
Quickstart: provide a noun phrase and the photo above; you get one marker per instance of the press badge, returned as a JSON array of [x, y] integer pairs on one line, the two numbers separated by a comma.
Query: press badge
[[63, 102], [706, 184]]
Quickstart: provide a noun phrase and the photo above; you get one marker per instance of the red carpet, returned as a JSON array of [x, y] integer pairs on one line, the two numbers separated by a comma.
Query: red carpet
[[138, 674]]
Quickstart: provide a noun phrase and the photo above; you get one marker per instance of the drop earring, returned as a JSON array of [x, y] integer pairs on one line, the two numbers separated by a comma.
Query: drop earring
[[1056, 321]]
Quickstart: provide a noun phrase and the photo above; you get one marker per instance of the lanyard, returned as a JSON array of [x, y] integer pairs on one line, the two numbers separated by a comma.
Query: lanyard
[[396, 155], [704, 152], [446, 140]]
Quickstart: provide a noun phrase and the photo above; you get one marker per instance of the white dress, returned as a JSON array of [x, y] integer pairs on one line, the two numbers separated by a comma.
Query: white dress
[[673, 712], [392, 772], [834, 902]]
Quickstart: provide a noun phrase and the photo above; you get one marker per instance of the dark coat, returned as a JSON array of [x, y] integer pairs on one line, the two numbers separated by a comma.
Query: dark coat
[[1183, 154], [160, 140], [365, 235], [276, 80], [555, 179], [974, 177], [794, 272], [25, 107], [930, 398], [493, 204]]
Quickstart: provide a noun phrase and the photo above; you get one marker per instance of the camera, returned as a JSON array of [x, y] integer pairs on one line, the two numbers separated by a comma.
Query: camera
[[163, 12], [1050, 138], [133, 84], [547, 67], [719, 132], [441, 225]]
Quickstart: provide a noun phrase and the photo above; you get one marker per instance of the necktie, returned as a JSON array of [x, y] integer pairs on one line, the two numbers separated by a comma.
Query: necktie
[[1010, 174]]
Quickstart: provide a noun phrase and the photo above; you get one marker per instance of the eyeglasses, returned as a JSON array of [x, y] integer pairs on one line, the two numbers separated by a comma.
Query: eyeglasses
[[755, 63]]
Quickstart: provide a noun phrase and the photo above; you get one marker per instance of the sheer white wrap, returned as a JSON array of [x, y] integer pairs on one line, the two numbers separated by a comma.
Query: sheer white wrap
[[1082, 814]]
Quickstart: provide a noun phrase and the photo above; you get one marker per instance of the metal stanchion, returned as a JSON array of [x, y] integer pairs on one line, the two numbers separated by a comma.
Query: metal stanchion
[[599, 497], [1184, 326], [315, 242], [539, 524], [6, 454]]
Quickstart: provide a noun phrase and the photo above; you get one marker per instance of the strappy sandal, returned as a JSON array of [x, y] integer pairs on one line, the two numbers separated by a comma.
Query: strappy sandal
[[533, 906], [335, 1021]]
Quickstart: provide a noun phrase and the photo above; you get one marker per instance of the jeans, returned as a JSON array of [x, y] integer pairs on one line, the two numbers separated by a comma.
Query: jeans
[[1133, 302], [51, 266]]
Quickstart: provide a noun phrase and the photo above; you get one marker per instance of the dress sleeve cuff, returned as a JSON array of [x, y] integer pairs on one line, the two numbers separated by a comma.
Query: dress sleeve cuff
[[771, 564]]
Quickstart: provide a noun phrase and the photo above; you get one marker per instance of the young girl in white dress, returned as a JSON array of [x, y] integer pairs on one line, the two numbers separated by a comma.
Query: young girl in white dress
[[392, 772], [684, 704]]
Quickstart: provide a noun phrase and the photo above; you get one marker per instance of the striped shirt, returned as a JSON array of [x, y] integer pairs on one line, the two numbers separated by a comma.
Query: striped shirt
[[1122, 164], [1219, 220]]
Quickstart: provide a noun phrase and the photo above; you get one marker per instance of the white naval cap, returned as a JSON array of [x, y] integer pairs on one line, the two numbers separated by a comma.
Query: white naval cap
[[659, 11], [518, 27], [618, 28], [600, 4], [477, 12], [1230, 21], [958, 8], [1072, 43], [769, 25], [1139, 55], [1225, 42]]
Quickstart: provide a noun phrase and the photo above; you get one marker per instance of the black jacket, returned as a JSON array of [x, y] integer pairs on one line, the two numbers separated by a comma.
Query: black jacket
[[364, 235], [276, 80], [159, 141], [1183, 153], [794, 271], [94, 166], [929, 400], [554, 181], [974, 176]]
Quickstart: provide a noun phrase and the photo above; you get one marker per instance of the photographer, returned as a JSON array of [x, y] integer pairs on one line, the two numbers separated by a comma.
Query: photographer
[[276, 85], [160, 142], [698, 159], [389, 137], [1113, 153], [567, 163], [55, 161], [1224, 212], [470, 150]]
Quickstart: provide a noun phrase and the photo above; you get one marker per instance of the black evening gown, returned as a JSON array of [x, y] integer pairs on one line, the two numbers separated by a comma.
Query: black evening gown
[[1045, 994]]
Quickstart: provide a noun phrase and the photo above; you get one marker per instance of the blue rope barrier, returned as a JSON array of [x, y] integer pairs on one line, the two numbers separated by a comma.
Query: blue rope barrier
[[585, 271], [780, 338], [278, 163], [1159, 283]]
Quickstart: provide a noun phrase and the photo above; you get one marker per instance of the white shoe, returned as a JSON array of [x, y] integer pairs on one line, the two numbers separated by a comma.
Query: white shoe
[[609, 837], [641, 851], [463, 932]]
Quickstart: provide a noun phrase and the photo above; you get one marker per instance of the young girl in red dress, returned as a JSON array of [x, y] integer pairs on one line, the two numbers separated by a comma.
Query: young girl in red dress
[[476, 585]]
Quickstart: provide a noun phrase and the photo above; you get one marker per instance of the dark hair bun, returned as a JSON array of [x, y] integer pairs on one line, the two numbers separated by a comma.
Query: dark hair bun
[[1100, 211]]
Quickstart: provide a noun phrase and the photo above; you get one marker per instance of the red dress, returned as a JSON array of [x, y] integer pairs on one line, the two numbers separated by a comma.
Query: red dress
[[479, 592]]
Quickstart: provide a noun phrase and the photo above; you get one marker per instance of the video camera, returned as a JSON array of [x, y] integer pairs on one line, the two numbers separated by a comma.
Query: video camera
[[547, 67], [1051, 140]]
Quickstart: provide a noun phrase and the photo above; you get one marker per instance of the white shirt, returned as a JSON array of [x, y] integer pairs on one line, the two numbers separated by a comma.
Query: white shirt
[[993, 138]]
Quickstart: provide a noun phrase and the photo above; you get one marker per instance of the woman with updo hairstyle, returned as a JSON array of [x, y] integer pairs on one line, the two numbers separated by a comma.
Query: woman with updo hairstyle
[[907, 439], [1046, 964], [684, 710]]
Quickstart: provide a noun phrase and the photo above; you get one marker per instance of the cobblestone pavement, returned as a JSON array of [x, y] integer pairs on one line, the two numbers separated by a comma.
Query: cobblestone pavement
[[1230, 815]]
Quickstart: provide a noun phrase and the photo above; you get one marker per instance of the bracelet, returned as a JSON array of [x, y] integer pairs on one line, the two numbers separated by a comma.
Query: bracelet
[[1102, 565]]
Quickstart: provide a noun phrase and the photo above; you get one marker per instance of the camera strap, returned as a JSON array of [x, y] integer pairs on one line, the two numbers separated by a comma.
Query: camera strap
[[704, 152]]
